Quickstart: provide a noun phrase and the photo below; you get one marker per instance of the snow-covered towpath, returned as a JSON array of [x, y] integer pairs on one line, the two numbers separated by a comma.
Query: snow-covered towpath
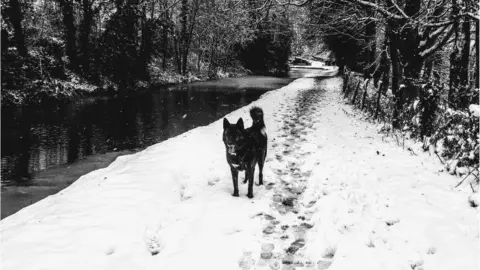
[[337, 196]]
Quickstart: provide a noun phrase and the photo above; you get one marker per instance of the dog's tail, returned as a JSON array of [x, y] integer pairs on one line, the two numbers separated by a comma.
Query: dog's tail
[[257, 116]]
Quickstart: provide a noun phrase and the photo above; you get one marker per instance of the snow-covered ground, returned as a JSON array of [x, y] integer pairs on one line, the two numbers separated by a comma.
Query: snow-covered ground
[[336, 196]]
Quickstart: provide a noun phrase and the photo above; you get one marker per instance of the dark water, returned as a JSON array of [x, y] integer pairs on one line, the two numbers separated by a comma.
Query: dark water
[[44, 149]]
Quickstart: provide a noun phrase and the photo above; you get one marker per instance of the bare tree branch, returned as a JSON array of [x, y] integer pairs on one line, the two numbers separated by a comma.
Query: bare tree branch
[[377, 8], [427, 52], [399, 9], [290, 3], [438, 24], [471, 15]]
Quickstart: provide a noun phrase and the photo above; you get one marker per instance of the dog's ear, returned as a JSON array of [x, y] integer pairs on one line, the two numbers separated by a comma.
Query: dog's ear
[[226, 124], [240, 123]]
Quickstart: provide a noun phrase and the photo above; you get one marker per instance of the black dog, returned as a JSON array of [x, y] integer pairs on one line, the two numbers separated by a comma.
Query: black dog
[[245, 148]]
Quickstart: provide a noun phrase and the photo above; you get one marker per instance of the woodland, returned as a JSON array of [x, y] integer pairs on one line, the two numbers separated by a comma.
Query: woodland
[[56, 49]]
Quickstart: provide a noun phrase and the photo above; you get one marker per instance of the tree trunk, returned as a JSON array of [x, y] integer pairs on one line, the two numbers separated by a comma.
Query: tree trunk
[[477, 44], [385, 68], [165, 30], [396, 74], [410, 43], [4, 40], [464, 62], [345, 83], [16, 17], [178, 54], [455, 61], [199, 57], [85, 35], [364, 97], [70, 31], [183, 37], [427, 70], [356, 92], [189, 35], [465, 52], [212, 67], [370, 30], [409, 49], [145, 46], [454, 80]]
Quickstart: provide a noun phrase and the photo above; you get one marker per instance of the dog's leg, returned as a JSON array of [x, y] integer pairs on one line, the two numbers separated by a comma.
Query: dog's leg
[[235, 181], [260, 173], [261, 162], [251, 173]]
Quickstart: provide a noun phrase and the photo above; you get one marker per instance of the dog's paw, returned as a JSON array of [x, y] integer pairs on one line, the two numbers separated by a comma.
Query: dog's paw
[[235, 194], [260, 184], [250, 196]]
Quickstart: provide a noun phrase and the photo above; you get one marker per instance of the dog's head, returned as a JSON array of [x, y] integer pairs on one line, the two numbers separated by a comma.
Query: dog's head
[[233, 135]]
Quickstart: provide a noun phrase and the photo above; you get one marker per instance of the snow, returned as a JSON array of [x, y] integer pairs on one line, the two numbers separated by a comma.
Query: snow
[[475, 109], [337, 195]]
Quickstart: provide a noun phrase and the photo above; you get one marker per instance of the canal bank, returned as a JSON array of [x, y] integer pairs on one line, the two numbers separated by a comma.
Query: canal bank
[[45, 149]]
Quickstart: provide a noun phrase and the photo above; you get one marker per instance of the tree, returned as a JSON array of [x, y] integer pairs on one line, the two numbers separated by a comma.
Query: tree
[[417, 30], [13, 12], [70, 31], [269, 49], [88, 13], [119, 45]]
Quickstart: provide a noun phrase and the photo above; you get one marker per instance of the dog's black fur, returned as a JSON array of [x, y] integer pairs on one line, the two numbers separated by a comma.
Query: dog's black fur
[[246, 148]]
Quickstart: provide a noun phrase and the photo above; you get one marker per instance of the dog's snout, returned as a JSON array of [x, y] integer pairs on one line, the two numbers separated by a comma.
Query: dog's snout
[[231, 148]]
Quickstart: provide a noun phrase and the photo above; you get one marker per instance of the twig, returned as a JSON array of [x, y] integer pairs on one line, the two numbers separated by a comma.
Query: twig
[[347, 113], [411, 151], [464, 178], [441, 160], [476, 177], [471, 186]]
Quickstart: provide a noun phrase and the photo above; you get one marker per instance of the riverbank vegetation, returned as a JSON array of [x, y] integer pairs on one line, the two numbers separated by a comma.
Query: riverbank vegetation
[[414, 65], [64, 48]]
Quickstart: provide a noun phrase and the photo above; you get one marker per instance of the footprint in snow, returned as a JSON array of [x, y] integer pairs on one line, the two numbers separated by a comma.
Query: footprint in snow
[[110, 250], [268, 217], [154, 244], [185, 193], [322, 264], [267, 251], [295, 246], [269, 229], [330, 253], [277, 197], [246, 261], [213, 182], [392, 222], [431, 250], [288, 259], [269, 186], [418, 265]]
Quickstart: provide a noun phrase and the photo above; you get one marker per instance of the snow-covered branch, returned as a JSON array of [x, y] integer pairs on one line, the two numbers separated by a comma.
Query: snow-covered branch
[[438, 24], [292, 3], [473, 16], [394, 4], [432, 49], [376, 7]]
